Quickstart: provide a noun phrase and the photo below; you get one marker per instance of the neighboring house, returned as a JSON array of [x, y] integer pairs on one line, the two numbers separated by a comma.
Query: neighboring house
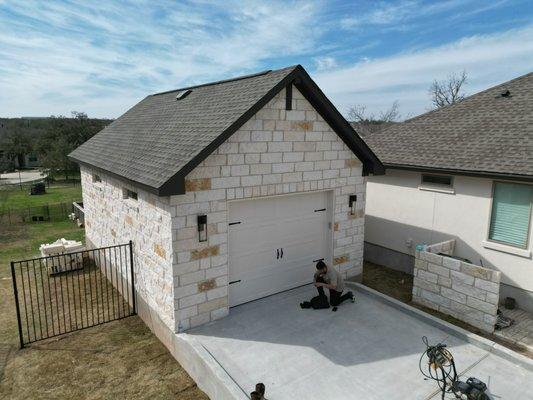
[[464, 171], [230, 191], [30, 160]]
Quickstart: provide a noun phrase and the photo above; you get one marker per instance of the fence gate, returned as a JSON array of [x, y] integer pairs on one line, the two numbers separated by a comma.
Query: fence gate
[[68, 292]]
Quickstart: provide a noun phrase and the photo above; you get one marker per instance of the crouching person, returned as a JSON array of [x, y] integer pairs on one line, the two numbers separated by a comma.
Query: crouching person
[[328, 277]]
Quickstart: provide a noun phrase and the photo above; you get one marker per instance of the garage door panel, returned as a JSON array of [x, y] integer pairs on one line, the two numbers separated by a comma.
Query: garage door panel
[[282, 222], [300, 205], [250, 263], [253, 238]]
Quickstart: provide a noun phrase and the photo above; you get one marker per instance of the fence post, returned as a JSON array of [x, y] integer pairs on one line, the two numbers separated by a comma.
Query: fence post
[[132, 280], [15, 292]]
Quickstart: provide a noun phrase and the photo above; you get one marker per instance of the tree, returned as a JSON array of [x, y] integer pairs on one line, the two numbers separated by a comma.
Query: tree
[[448, 91], [369, 123], [15, 146], [64, 135]]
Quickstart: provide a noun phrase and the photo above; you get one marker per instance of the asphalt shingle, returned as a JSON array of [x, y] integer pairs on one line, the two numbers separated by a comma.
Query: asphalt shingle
[[159, 135], [484, 133]]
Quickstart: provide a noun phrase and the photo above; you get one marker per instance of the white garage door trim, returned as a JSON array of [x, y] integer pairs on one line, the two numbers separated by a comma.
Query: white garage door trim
[[274, 242]]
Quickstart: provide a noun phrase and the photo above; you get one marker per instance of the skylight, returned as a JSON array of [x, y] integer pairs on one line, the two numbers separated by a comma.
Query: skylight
[[182, 94]]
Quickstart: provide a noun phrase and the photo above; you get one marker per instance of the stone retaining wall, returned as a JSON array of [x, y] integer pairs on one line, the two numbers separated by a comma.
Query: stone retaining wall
[[465, 291]]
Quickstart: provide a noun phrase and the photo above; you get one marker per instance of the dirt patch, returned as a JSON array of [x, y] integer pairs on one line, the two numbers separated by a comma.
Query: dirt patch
[[121, 359], [396, 284]]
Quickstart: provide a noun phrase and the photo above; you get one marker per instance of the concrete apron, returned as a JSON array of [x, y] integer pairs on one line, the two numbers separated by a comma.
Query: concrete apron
[[226, 360]]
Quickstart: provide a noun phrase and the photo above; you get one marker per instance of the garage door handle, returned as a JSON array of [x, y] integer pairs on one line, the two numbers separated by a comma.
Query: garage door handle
[[277, 254], [281, 253], [232, 282]]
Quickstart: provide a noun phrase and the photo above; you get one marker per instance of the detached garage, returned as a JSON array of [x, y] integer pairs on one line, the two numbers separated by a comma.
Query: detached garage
[[230, 191]]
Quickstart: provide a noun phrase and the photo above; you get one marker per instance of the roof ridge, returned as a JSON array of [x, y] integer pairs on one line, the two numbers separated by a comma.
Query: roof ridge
[[237, 78], [467, 98]]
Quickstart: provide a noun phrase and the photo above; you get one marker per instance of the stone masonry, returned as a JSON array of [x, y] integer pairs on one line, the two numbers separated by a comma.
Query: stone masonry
[[465, 291], [277, 152], [110, 219]]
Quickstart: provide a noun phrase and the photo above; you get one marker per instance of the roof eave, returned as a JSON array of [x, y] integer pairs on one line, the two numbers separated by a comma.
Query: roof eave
[[131, 182], [457, 171]]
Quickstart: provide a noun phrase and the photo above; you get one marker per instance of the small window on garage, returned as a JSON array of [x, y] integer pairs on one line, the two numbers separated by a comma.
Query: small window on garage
[[510, 218], [442, 183], [129, 194], [96, 178]]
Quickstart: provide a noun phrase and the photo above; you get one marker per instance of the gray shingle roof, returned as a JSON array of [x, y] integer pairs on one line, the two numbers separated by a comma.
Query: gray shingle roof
[[485, 133], [158, 141]]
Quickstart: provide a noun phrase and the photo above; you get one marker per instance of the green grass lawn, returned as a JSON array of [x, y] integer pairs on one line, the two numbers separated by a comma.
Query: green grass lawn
[[17, 198]]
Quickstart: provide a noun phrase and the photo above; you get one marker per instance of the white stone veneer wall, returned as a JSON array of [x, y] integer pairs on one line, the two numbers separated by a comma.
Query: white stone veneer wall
[[110, 219], [465, 291], [277, 152]]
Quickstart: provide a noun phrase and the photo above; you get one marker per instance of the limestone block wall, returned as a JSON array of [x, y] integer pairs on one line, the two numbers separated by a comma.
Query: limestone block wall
[[465, 291], [277, 152], [110, 219]]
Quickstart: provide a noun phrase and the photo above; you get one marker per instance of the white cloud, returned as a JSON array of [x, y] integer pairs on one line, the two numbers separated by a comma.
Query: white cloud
[[102, 57], [394, 14], [325, 63], [488, 60]]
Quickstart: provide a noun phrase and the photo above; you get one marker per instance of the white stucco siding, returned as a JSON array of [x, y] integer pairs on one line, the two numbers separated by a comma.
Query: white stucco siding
[[110, 219], [397, 211], [277, 152]]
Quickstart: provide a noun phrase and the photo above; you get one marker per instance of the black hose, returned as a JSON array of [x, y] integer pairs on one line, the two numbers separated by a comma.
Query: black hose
[[439, 358]]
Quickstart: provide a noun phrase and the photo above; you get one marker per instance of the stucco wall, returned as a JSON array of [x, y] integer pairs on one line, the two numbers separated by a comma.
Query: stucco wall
[[277, 152], [398, 211], [110, 219]]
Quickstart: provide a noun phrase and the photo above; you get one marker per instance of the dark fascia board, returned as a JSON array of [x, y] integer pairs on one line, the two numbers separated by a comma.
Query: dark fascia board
[[452, 171], [104, 172], [317, 98], [371, 164]]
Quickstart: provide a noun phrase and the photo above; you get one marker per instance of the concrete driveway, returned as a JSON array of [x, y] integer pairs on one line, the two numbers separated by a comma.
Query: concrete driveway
[[25, 176], [366, 350]]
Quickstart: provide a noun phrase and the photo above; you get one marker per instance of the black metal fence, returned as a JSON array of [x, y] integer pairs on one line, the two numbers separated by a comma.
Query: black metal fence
[[47, 212], [63, 293]]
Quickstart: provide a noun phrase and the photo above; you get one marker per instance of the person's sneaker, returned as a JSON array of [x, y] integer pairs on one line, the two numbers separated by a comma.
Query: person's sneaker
[[352, 297]]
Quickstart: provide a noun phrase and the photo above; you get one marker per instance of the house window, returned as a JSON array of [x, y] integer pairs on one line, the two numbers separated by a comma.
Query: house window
[[511, 214], [96, 178], [442, 183], [129, 194]]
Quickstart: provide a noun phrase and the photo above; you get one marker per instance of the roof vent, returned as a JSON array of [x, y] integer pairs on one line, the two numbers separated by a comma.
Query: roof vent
[[182, 94], [505, 93]]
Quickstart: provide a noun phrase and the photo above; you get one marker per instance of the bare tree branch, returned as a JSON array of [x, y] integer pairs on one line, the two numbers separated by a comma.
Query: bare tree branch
[[370, 123], [446, 92]]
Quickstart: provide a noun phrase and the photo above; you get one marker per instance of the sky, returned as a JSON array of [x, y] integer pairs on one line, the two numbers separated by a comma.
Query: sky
[[102, 57]]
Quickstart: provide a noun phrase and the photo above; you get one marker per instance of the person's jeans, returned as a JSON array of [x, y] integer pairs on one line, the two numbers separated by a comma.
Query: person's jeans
[[335, 297]]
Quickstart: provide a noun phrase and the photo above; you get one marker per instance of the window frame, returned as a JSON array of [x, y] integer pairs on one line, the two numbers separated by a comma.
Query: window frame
[[528, 234], [436, 187], [128, 194]]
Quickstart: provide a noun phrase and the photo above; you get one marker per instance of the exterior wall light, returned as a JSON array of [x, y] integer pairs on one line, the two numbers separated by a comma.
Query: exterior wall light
[[352, 200], [202, 228]]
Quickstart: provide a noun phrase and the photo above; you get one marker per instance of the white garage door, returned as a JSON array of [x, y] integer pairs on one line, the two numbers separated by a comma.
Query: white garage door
[[274, 243]]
